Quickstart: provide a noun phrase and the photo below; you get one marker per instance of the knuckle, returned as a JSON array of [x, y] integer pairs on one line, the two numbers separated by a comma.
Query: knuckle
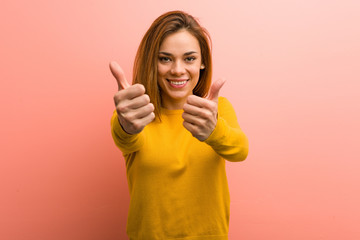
[[195, 131], [205, 114], [214, 106], [120, 108], [131, 117], [195, 135], [202, 123], [150, 107], [139, 87], [209, 115], [124, 116], [136, 125], [116, 98], [149, 118], [191, 98], [128, 116], [145, 98], [198, 123], [119, 97], [184, 115], [186, 107]]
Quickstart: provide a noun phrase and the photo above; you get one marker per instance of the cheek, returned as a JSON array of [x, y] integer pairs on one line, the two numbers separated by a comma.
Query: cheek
[[160, 76], [161, 70], [194, 70]]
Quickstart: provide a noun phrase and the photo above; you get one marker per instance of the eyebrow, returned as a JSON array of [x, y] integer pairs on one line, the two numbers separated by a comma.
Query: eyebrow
[[185, 54]]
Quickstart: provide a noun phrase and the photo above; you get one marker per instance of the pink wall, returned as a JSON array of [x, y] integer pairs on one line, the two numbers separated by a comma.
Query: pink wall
[[293, 71]]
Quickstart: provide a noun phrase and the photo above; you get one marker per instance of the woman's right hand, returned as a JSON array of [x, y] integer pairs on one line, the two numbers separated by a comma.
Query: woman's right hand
[[133, 106]]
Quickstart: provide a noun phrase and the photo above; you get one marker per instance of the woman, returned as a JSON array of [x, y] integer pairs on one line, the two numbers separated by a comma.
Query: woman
[[175, 136]]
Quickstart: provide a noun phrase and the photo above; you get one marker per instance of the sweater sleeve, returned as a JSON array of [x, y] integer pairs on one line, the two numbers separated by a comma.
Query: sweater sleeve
[[227, 139], [127, 143]]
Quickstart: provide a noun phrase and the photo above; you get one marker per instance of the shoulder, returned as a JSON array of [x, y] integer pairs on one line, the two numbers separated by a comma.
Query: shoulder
[[227, 112], [224, 103], [223, 100]]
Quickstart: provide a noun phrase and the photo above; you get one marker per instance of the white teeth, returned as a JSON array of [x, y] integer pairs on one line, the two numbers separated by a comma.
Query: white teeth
[[177, 82]]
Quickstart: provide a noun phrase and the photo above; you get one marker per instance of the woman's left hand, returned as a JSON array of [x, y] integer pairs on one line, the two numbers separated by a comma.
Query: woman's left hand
[[200, 114]]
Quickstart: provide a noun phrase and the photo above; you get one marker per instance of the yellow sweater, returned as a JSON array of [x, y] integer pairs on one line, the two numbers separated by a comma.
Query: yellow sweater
[[178, 185]]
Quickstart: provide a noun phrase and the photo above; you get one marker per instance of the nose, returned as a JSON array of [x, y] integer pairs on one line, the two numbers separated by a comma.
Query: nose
[[178, 68]]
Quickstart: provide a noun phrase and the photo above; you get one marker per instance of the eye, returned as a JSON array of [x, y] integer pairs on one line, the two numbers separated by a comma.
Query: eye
[[164, 59], [190, 59]]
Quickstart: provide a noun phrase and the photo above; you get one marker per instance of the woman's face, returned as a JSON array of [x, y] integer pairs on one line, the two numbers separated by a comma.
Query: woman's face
[[179, 63]]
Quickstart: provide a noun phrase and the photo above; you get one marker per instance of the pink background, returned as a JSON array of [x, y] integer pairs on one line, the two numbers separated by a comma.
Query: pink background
[[293, 71]]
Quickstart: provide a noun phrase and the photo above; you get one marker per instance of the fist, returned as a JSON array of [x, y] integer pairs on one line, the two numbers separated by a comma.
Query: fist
[[200, 114], [133, 106]]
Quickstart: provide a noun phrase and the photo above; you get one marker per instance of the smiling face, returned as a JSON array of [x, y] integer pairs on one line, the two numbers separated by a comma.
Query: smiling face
[[179, 64]]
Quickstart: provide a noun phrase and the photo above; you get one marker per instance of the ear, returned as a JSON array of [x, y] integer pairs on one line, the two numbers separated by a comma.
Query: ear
[[202, 66]]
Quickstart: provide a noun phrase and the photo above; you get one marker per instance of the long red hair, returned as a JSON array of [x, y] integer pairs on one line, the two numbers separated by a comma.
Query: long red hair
[[145, 65]]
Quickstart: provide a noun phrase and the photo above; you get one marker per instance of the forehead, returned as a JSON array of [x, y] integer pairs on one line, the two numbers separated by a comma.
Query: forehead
[[180, 41]]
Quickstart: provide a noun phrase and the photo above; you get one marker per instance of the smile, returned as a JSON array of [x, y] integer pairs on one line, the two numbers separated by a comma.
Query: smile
[[177, 83]]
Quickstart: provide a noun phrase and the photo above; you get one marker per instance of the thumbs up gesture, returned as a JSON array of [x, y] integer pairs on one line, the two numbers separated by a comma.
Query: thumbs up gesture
[[133, 106], [200, 114]]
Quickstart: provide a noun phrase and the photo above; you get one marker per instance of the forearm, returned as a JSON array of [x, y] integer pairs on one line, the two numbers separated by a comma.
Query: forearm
[[229, 142], [127, 143]]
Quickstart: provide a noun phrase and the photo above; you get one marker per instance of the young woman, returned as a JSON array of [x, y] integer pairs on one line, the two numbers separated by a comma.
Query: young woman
[[175, 134]]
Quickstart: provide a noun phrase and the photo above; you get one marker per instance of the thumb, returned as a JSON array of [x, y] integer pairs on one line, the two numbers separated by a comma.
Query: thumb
[[119, 75], [215, 89]]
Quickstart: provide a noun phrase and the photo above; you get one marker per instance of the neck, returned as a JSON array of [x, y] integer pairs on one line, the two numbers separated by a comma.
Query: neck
[[173, 105]]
